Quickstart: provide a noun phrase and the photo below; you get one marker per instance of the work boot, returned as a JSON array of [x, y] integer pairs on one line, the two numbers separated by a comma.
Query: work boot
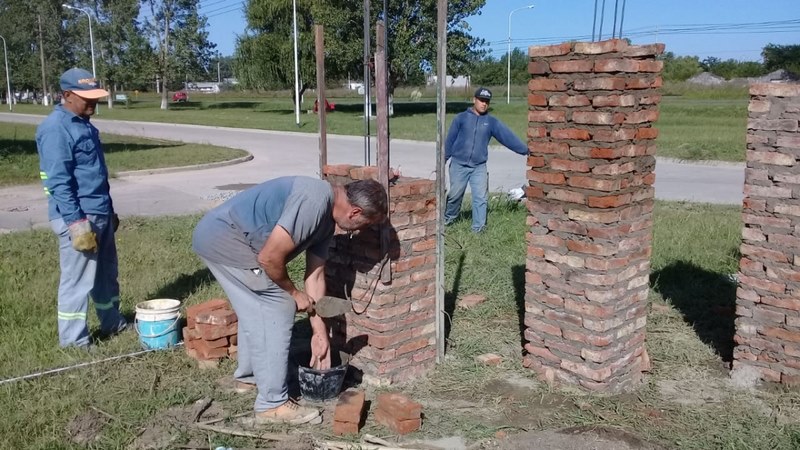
[[290, 413], [230, 384]]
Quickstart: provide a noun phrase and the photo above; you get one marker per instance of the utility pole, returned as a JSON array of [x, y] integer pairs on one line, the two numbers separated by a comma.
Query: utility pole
[[41, 57]]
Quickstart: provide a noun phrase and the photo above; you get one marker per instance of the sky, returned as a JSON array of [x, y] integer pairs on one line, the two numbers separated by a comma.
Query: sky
[[726, 29]]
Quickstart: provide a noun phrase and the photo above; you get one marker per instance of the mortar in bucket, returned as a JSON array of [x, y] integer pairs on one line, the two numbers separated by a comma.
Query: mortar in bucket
[[319, 385], [157, 323]]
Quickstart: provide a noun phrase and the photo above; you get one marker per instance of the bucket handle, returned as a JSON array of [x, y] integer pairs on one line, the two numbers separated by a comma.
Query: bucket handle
[[168, 330]]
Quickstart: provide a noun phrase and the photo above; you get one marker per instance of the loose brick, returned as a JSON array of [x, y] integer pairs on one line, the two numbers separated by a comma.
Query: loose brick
[[350, 407], [646, 133], [540, 51], [553, 148], [397, 425], [204, 351], [599, 84], [537, 100], [546, 178], [489, 359], [650, 66], [211, 305], [597, 118], [218, 317], [214, 332], [538, 67], [399, 406], [775, 89], [602, 101], [600, 47], [344, 428], [609, 201], [470, 301], [567, 165]]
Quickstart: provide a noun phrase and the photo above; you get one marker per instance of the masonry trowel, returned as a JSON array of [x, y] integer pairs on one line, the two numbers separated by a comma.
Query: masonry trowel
[[328, 306]]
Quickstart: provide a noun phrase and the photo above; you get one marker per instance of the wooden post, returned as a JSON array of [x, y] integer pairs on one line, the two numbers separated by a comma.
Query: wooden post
[[381, 84], [441, 110], [319, 39]]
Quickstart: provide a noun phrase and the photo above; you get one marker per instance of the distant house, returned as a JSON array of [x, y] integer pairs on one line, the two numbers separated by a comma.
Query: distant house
[[707, 79], [452, 82], [211, 87]]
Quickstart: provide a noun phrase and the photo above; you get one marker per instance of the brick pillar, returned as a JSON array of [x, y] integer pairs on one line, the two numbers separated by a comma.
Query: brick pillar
[[768, 297], [590, 198], [393, 340]]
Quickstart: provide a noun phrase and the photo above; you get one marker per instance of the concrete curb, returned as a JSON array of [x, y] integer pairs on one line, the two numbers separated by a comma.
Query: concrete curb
[[230, 162]]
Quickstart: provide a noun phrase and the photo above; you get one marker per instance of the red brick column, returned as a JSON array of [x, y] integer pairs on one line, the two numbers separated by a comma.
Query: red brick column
[[590, 198], [394, 338], [768, 297]]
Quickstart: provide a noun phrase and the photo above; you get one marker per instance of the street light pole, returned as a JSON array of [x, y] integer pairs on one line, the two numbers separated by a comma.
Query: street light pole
[[9, 98], [91, 36], [508, 98], [296, 70]]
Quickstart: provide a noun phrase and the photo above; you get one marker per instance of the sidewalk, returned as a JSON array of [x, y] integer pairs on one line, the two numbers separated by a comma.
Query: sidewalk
[[286, 153]]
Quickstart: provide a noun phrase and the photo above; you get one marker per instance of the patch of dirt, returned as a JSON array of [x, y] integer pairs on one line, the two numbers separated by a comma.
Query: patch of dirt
[[576, 438], [167, 425], [86, 428], [690, 388]]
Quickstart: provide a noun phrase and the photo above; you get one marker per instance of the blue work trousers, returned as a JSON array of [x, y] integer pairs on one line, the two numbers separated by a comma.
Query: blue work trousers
[[84, 274], [266, 317], [478, 179]]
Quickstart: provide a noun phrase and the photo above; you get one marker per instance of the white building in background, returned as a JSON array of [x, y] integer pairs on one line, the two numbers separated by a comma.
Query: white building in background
[[210, 87], [452, 82]]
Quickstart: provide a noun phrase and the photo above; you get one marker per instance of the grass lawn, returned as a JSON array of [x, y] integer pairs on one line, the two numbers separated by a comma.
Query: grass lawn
[[20, 161], [695, 124], [685, 402]]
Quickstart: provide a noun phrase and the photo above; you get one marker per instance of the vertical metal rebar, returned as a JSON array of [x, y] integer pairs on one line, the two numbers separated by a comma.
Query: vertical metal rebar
[[594, 20], [602, 16], [622, 18], [614, 28]]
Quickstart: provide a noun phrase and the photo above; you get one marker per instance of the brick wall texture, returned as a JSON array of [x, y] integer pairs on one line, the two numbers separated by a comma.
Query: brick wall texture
[[590, 201], [393, 339], [768, 297]]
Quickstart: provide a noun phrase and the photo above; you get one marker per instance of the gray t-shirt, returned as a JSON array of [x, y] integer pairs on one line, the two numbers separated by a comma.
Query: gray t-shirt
[[234, 232]]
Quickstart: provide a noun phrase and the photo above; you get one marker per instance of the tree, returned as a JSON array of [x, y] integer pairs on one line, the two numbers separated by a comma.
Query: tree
[[182, 42], [680, 68], [785, 57], [264, 55]]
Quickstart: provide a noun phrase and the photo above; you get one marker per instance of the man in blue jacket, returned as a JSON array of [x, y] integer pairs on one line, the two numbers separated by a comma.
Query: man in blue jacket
[[73, 170], [467, 148]]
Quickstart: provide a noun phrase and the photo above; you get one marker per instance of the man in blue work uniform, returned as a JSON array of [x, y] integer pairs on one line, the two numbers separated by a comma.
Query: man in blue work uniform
[[73, 171], [467, 148], [247, 242]]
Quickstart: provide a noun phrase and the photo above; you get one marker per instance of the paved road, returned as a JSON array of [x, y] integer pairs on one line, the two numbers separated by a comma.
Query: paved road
[[283, 153]]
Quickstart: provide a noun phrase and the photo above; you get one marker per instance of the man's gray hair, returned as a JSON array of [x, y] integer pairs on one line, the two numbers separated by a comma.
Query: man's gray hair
[[370, 196]]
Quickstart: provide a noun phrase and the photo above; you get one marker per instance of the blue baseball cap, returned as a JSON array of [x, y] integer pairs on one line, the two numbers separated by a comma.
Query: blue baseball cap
[[483, 94], [82, 83]]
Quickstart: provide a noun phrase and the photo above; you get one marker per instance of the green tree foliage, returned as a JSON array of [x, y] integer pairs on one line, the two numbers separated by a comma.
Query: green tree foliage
[[785, 57], [489, 71], [680, 68], [265, 55], [731, 68], [183, 49], [19, 25]]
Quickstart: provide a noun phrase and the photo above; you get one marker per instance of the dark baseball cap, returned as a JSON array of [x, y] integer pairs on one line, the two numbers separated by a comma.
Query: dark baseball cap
[[483, 94], [82, 83]]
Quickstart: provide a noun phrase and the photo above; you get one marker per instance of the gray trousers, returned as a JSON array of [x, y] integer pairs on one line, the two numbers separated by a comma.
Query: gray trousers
[[266, 317], [84, 274]]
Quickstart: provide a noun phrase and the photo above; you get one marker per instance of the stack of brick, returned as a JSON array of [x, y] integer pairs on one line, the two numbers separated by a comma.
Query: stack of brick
[[393, 339], [398, 413], [590, 202], [767, 302], [211, 331], [349, 413]]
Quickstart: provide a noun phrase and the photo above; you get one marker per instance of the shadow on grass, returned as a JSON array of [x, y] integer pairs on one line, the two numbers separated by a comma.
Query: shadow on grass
[[518, 279], [18, 147], [235, 105], [404, 109], [184, 285], [706, 299], [451, 297]]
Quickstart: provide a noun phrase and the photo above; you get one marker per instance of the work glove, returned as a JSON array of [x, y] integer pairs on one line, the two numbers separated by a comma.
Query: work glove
[[114, 222], [82, 236]]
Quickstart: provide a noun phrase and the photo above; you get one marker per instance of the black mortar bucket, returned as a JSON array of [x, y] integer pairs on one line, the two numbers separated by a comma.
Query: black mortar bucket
[[321, 385]]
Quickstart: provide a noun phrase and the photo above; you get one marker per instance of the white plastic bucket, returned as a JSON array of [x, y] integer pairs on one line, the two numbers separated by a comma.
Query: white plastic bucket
[[157, 322]]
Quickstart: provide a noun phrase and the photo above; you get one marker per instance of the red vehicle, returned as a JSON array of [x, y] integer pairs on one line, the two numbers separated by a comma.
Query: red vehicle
[[180, 97]]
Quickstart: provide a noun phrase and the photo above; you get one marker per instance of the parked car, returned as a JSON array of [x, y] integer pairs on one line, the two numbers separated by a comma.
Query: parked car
[[180, 97]]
